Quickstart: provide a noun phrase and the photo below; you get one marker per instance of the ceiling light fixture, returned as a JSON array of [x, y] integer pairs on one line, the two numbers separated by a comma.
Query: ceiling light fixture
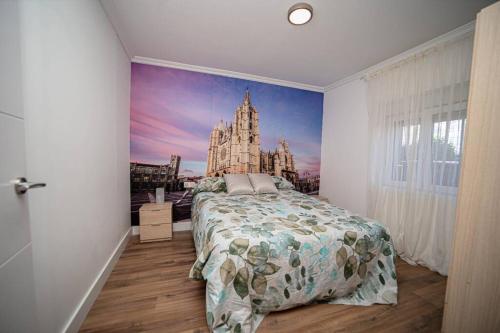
[[300, 13]]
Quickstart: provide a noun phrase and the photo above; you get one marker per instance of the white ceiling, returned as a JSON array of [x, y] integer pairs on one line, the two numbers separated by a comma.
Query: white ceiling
[[254, 36]]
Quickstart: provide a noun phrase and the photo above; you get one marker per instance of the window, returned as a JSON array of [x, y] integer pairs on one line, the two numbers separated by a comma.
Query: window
[[445, 132], [405, 142], [447, 142]]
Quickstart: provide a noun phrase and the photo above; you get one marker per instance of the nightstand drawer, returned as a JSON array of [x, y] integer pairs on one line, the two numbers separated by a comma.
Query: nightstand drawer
[[155, 216], [155, 232]]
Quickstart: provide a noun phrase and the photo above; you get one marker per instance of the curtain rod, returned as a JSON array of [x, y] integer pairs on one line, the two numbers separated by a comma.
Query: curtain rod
[[371, 74]]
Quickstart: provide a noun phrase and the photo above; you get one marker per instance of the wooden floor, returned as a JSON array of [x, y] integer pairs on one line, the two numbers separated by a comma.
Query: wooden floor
[[149, 291]]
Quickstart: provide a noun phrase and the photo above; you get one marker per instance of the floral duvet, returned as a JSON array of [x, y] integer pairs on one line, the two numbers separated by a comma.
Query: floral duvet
[[271, 252]]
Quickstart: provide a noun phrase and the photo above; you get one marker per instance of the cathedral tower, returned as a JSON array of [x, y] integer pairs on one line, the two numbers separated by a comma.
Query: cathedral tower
[[245, 138], [212, 151]]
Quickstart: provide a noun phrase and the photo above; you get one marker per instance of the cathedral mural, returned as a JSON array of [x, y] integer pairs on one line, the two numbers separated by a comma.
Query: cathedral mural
[[187, 125], [236, 148]]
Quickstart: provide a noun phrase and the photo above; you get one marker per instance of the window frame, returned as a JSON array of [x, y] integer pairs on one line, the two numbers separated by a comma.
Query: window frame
[[425, 131]]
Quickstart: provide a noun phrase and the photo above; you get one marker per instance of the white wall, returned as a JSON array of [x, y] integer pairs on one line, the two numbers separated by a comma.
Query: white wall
[[76, 91], [344, 147]]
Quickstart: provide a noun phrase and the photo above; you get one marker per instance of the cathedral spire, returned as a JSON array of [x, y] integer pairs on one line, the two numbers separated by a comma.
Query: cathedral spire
[[246, 100]]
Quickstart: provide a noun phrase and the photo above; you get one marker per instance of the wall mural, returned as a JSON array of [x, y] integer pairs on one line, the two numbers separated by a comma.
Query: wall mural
[[187, 125]]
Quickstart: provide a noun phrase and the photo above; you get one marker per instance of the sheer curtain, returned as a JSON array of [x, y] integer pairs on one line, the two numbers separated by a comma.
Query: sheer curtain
[[417, 116]]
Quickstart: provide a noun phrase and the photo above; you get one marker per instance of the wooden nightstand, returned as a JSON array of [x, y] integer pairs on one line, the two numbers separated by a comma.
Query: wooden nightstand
[[155, 222]]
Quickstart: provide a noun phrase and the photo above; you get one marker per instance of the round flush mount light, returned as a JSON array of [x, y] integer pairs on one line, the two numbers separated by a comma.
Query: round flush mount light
[[300, 13]]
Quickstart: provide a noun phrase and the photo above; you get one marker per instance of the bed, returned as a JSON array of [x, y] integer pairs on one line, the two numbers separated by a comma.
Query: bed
[[270, 252]]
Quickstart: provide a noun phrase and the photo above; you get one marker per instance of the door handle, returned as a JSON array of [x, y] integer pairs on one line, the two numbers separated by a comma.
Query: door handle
[[21, 185]]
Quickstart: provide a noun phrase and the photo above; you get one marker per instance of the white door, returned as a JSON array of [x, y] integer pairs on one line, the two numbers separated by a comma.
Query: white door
[[17, 293]]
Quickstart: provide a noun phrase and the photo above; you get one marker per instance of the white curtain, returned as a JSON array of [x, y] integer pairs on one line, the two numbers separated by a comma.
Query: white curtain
[[417, 116]]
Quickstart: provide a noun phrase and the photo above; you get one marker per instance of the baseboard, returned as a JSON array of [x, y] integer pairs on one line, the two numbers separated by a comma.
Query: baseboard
[[182, 225], [79, 315], [135, 230]]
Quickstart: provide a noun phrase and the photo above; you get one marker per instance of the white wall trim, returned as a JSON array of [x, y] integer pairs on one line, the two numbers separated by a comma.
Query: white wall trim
[[183, 225], [223, 72], [81, 311], [462, 30], [135, 230]]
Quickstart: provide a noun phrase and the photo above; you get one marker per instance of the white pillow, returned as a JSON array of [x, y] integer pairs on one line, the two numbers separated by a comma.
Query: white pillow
[[238, 184], [262, 183]]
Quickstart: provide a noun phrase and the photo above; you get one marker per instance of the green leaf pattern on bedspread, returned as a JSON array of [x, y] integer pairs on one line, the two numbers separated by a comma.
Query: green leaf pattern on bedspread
[[270, 252], [210, 184]]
